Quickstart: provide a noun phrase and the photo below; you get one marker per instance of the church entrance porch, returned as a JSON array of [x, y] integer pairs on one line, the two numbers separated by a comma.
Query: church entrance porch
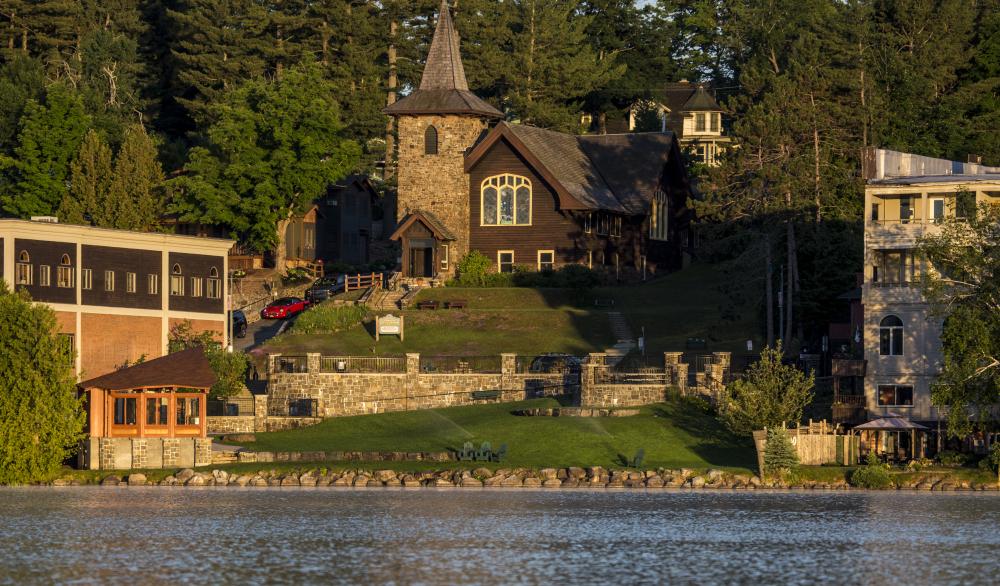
[[426, 245]]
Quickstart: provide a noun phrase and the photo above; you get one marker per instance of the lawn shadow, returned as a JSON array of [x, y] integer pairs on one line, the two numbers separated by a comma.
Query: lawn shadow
[[714, 443]]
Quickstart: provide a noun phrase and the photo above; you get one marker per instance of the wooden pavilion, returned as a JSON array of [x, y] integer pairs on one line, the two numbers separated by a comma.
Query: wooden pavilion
[[162, 398], [893, 439]]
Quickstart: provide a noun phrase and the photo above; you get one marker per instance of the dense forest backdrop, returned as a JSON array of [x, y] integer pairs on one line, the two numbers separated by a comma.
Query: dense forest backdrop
[[236, 113]]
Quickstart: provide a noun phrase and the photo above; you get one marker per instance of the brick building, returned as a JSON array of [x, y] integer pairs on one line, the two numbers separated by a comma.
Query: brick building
[[117, 294], [526, 196]]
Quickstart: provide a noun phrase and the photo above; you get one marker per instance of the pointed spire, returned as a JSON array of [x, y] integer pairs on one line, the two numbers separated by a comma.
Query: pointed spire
[[444, 70]]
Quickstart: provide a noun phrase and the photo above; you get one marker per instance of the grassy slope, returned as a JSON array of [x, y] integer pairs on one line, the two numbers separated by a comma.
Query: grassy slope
[[674, 435], [534, 321]]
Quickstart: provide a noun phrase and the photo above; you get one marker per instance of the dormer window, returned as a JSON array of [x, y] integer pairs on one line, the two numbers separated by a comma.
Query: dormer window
[[431, 141], [716, 121], [699, 122]]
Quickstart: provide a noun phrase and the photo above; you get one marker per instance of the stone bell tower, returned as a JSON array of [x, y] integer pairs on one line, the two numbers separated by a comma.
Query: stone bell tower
[[436, 124]]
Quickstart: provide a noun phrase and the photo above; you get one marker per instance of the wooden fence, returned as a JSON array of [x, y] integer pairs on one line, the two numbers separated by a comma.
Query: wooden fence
[[353, 282]]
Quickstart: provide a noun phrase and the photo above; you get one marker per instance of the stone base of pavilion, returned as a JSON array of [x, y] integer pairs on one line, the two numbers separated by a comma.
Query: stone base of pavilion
[[133, 453]]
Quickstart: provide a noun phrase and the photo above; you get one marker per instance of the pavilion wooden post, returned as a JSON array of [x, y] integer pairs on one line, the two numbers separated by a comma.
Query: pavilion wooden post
[[171, 413], [202, 412]]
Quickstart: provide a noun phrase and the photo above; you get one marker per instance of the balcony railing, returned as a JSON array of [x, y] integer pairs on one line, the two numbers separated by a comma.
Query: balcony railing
[[851, 400]]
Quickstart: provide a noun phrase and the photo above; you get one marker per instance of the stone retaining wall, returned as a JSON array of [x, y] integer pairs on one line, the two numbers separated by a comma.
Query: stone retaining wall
[[344, 394], [594, 392], [229, 424], [250, 457], [123, 453]]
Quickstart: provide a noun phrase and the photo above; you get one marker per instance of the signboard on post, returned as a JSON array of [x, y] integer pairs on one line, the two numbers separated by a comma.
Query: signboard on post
[[388, 325]]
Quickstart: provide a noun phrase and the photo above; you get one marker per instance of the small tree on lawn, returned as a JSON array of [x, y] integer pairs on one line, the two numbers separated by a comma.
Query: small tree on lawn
[[229, 367], [769, 395], [41, 418], [779, 453]]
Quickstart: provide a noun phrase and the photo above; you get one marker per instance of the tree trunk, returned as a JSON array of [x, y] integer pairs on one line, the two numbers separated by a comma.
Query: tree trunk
[[389, 171], [602, 123], [790, 284], [769, 290], [816, 173], [280, 252]]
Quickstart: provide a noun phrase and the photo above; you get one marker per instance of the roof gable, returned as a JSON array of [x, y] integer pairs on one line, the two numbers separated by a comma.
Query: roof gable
[[185, 369], [429, 220]]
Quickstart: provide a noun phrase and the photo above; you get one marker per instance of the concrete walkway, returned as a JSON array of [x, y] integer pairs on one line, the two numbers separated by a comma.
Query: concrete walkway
[[623, 333]]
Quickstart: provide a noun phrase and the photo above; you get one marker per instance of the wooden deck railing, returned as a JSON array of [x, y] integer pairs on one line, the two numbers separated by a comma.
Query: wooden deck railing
[[353, 282]]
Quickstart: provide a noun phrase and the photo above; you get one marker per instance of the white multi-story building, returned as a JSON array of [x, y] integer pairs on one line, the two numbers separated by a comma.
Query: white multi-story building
[[906, 197]]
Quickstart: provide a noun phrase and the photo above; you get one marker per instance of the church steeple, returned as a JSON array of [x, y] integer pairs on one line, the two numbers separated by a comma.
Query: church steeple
[[444, 70], [443, 87]]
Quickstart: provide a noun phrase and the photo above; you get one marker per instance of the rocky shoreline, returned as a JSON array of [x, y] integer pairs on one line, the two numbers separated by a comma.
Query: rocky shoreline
[[592, 477]]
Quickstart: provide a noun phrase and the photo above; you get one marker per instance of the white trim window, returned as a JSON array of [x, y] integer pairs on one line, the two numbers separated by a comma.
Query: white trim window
[[505, 200], [87, 279], [938, 209], [213, 285], [659, 217], [196, 286], [65, 275], [444, 257], [44, 275], [588, 221], [130, 283], [505, 261], [153, 284], [890, 335], [176, 282], [23, 270], [109, 281], [546, 260]]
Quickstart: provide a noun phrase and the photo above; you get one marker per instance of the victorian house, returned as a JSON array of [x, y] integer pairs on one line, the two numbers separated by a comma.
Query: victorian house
[[691, 111], [526, 196]]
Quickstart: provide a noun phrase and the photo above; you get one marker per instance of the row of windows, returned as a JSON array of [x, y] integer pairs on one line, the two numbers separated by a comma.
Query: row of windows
[[545, 260], [713, 120], [603, 223], [65, 278]]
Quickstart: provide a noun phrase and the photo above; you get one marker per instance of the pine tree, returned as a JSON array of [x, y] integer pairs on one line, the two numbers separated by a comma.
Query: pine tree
[[22, 78], [779, 453], [134, 195], [90, 180], [34, 179], [41, 418]]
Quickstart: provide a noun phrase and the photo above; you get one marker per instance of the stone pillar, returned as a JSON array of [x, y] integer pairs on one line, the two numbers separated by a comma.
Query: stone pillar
[[508, 368], [106, 453], [672, 358], [588, 377], [313, 363], [272, 363], [412, 364], [724, 359], [259, 413], [171, 452], [202, 451], [599, 358], [681, 376], [139, 457]]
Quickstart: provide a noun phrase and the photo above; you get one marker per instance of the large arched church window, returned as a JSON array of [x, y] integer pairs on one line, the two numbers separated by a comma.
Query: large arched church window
[[506, 201]]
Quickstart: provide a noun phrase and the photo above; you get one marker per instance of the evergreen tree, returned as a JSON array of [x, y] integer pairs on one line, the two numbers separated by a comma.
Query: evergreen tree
[[41, 418], [615, 32], [770, 395], [275, 147], [134, 195], [779, 453], [22, 79], [34, 179], [90, 181]]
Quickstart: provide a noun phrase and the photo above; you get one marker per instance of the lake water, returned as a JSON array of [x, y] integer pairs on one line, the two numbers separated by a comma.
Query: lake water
[[154, 535]]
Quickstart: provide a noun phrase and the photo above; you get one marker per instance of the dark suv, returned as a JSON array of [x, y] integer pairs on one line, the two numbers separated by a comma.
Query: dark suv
[[239, 320], [324, 289]]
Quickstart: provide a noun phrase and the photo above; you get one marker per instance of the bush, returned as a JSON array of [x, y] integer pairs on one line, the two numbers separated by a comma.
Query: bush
[[952, 459], [476, 270], [873, 475], [779, 453], [770, 394], [473, 268], [327, 319]]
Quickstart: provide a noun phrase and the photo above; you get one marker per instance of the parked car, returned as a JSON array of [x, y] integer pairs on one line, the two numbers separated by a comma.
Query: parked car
[[284, 308], [239, 321], [324, 289], [551, 363]]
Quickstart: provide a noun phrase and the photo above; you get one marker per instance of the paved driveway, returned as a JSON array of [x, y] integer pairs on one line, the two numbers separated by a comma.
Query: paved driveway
[[261, 331]]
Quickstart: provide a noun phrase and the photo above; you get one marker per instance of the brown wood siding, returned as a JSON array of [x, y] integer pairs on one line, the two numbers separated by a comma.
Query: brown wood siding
[[551, 229], [122, 261], [195, 265], [49, 254]]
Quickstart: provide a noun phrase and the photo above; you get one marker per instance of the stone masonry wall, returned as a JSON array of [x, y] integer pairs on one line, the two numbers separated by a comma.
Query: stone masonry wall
[[438, 183], [225, 424], [122, 453], [338, 395]]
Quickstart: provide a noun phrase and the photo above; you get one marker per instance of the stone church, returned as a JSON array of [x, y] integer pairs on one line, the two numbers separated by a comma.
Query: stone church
[[526, 196]]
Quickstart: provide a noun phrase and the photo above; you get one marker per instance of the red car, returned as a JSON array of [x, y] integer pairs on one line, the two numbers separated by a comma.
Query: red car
[[284, 308]]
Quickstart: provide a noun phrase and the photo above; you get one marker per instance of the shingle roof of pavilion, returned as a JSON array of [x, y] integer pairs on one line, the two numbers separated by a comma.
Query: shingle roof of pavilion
[[444, 88], [188, 369]]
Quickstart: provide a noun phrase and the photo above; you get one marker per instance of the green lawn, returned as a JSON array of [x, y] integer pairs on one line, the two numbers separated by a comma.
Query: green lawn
[[535, 321], [674, 435]]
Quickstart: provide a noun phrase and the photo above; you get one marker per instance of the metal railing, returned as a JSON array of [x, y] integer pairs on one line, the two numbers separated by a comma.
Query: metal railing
[[642, 377], [363, 364], [546, 364], [291, 364], [460, 364], [231, 407]]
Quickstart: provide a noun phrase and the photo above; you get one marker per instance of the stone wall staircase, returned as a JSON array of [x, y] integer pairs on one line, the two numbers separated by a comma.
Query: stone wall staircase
[[623, 333]]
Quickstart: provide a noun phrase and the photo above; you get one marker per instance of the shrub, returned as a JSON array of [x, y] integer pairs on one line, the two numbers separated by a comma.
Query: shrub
[[873, 475], [229, 367], [769, 395], [952, 459], [473, 268], [476, 270], [779, 453], [327, 319]]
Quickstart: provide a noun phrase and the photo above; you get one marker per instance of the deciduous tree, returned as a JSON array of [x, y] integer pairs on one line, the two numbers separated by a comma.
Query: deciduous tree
[[771, 394]]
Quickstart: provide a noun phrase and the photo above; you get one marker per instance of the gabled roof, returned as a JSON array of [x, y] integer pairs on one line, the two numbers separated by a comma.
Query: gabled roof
[[617, 173], [701, 101], [188, 369], [443, 86], [427, 219]]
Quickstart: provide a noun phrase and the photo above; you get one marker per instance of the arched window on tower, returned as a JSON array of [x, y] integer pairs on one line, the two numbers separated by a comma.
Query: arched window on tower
[[431, 141], [890, 333]]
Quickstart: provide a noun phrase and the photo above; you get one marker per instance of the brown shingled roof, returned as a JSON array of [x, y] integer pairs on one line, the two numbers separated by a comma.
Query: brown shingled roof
[[443, 87], [186, 369]]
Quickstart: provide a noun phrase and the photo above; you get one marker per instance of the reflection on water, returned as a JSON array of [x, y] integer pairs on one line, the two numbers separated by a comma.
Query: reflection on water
[[237, 536]]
